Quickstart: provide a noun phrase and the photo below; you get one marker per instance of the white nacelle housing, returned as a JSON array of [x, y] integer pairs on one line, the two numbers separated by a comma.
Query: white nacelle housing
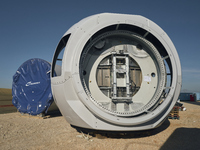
[[119, 73]]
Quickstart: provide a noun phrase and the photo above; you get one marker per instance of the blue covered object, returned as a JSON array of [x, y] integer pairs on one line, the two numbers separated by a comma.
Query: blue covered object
[[31, 88]]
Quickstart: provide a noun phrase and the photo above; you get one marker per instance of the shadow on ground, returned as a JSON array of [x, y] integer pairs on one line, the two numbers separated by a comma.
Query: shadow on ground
[[50, 114], [54, 113], [183, 139], [124, 135]]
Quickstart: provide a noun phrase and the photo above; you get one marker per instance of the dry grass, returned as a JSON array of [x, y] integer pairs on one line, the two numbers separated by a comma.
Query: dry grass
[[5, 94], [4, 91]]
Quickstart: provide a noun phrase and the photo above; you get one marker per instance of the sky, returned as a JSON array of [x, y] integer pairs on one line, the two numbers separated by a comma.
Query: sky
[[32, 29]]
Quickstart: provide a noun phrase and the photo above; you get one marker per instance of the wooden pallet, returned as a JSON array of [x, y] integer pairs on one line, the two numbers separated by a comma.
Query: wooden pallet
[[174, 114], [176, 117]]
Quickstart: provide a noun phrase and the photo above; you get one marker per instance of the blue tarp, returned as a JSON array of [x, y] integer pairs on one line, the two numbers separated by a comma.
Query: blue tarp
[[31, 88]]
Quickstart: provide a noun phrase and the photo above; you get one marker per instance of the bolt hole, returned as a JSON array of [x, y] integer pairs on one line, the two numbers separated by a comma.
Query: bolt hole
[[84, 72], [153, 74]]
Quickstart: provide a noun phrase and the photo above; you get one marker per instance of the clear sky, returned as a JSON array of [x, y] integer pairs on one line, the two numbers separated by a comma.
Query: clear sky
[[33, 28]]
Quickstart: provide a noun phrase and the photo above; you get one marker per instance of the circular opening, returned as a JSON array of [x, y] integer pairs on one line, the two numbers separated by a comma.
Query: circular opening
[[122, 73]]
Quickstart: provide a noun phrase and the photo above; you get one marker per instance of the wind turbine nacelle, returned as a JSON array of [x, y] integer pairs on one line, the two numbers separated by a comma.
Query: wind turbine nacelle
[[119, 73]]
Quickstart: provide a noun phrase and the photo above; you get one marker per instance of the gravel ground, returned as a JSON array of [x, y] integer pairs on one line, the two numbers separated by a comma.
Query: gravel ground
[[54, 133]]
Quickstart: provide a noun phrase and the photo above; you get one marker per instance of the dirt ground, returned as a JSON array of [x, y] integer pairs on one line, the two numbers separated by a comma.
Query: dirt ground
[[54, 133]]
